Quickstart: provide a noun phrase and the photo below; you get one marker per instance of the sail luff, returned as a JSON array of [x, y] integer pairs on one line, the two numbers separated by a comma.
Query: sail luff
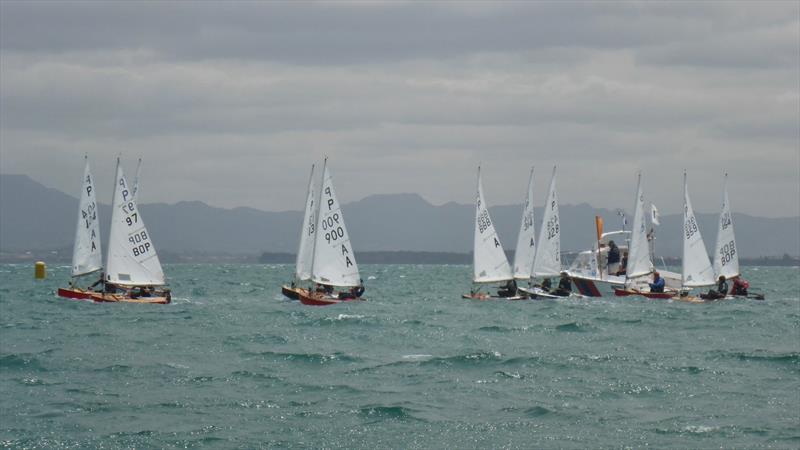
[[639, 263], [489, 262], [136, 182], [87, 256], [305, 250], [696, 267], [547, 261], [726, 256], [526, 240]]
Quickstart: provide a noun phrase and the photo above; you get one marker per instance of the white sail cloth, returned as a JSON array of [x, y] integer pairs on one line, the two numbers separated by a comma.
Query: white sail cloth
[[334, 262], [305, 250], [697, 270], [639, 263], [547, 261], [726, 257], [132, 258], [489, 260], [87, 256], [526, 242]]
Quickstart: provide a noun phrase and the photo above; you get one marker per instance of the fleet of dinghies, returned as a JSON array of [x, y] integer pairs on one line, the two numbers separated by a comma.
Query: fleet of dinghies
[[133, 273], [326, 271]]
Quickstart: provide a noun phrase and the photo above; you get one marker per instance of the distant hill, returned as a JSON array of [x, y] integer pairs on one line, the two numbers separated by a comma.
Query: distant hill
[[36, 218]]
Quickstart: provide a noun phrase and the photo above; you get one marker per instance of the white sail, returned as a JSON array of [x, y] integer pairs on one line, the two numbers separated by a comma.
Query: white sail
[[132, 258], [639, 251], [489, 261], [547, 261], [87, 256], [526, 242], [305, 251], [334, 262], [697, 270], [726, 258], [135, 189]]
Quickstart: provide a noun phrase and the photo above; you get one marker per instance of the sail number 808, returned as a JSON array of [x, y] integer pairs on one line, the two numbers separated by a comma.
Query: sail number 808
[[140, 243]]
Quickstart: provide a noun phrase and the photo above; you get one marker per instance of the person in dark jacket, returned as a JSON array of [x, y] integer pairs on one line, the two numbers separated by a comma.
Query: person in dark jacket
[[613, 258], [564, 286], [546, 285], [509, 289], [721, 292]]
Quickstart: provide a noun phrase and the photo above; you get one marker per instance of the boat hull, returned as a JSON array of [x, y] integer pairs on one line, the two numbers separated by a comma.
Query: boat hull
[[536, 293], [102, 297], [492, 297], [293, 292], [319, 299], [655, 295], [75, 293]]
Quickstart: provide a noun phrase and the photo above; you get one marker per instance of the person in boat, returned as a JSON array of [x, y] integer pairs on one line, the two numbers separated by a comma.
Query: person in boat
[[623, 264], [658, 283], [358, 291], [509, 289], [564, 286], [98, 283], [546, 285], [613, 258], [721, 292], [740, 286]]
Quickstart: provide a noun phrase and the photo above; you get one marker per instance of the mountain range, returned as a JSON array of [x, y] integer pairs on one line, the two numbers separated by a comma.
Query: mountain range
[[37, 218]]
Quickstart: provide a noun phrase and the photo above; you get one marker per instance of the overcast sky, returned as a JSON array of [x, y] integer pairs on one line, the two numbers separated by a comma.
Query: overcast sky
[[230, 103]]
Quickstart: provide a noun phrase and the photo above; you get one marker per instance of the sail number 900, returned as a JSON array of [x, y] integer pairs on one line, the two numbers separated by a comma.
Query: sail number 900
[[140, 244]]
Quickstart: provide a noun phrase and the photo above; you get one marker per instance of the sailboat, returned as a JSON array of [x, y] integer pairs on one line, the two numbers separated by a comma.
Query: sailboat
[[333, 263], [639, 265], [547, 260], [305, 250], [696, 270], [133, 271], [87, 256], [489, 263]]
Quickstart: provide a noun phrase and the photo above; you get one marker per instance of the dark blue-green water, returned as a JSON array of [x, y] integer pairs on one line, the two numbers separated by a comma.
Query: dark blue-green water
[[232, 364]]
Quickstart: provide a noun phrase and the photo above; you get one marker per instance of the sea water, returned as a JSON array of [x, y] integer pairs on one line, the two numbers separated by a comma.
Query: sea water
[[231, 363]]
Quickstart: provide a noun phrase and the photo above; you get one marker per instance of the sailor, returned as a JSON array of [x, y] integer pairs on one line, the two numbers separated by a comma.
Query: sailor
[[509, 289], [613, 258], [721, 292], [658, 283], [546, 285], [740, 286], [623, 265], [564, 285], [98, 282]]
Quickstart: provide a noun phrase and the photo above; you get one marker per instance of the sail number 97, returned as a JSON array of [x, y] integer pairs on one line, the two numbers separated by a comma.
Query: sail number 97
[[727, 252], [140, 243]]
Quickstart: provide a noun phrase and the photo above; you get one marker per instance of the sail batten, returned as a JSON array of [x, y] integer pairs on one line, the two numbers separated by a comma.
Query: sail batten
[[526, 240], [305, 250], [334, 262], [87, 256], [132, 259], [726, 256], [547, 261], [697, 270], [489, 260]]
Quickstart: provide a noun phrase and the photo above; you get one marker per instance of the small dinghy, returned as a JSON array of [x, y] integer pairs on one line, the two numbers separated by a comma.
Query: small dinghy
[[489, 262], [333, 263], [87, 257]]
